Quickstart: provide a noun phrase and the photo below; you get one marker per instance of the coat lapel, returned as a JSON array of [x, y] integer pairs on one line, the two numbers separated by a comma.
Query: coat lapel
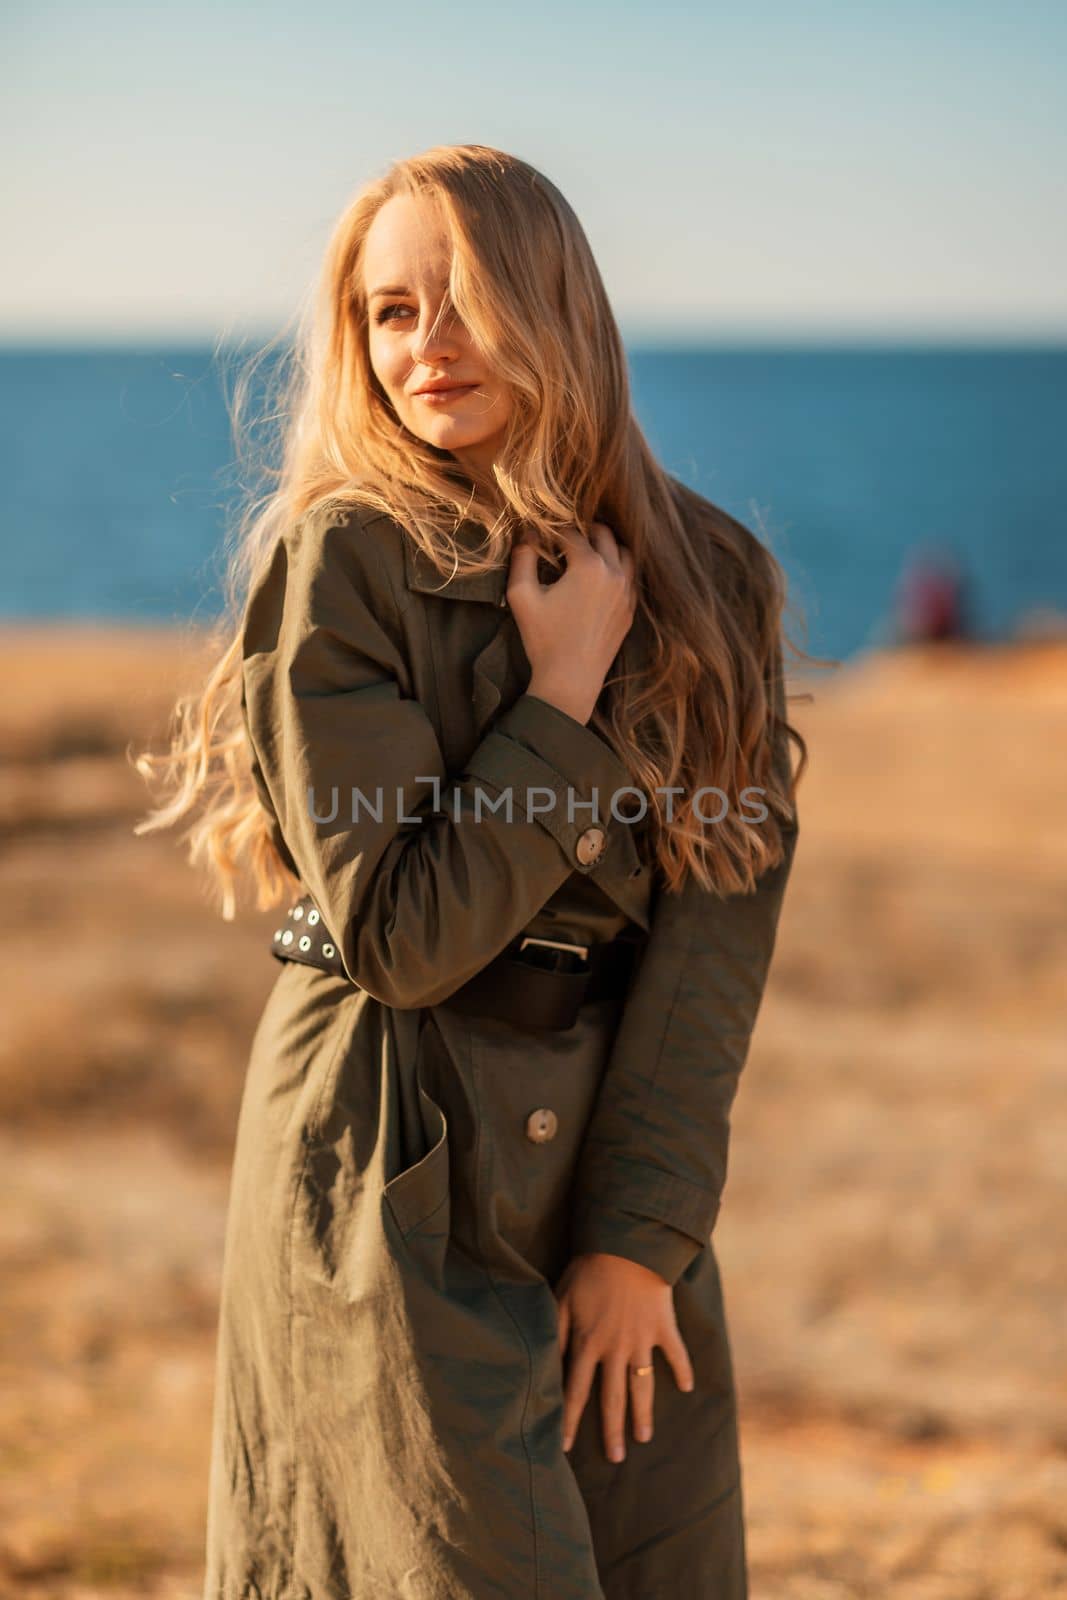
[[499, 677], [500, 669]]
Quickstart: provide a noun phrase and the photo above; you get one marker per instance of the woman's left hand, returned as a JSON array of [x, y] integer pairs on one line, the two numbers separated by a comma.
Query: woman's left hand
[[613, 1311]]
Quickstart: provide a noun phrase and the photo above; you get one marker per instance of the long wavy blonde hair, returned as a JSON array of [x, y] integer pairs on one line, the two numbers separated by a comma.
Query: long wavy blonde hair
[[698, 698]]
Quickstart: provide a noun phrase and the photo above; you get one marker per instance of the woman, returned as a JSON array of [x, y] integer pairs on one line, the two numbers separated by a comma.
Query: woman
[[472, 1339]]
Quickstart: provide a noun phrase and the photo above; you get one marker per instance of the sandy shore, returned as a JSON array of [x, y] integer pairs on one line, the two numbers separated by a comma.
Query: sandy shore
[[891, 1239]]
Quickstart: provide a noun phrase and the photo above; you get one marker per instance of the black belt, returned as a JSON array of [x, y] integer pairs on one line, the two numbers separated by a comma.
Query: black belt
[[534, 983]]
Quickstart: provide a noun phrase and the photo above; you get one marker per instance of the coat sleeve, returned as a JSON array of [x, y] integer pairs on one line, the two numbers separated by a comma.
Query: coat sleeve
[[653, 1162], [421, 877]]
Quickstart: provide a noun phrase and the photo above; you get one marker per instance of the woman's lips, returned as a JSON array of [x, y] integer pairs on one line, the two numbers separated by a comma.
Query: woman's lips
[[441, 397]]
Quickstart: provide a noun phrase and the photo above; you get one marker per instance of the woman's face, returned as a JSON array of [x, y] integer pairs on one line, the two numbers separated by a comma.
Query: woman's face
[[406, 257]]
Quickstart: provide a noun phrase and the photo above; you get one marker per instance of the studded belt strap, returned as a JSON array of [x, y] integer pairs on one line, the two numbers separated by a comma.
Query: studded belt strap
[[531, 984], [303, 936]]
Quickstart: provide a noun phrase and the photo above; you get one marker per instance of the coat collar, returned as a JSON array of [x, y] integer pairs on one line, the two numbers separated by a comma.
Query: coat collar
[[421, 575]]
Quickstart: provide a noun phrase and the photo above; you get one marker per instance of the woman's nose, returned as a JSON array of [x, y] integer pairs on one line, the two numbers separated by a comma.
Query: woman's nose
[[442, 341]]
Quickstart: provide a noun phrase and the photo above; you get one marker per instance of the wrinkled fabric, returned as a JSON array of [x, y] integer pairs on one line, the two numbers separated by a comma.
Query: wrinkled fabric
[[388, 1399]]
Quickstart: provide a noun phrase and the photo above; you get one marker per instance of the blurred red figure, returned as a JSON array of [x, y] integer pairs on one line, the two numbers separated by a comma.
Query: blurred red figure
[[930, 600]]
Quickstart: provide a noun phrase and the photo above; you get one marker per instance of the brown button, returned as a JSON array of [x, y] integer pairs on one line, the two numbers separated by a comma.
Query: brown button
[[590, 846], [541, 1125]]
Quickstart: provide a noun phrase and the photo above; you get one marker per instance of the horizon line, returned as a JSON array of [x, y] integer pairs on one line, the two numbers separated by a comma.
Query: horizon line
[[635, 337]]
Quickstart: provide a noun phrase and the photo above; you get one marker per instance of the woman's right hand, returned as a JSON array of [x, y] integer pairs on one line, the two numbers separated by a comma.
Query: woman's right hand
[[573, 629]]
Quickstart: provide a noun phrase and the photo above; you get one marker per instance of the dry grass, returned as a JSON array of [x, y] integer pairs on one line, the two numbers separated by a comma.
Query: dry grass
[[891, 1241]]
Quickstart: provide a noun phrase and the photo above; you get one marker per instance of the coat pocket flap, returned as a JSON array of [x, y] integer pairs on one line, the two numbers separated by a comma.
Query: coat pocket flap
[[417, 1192]]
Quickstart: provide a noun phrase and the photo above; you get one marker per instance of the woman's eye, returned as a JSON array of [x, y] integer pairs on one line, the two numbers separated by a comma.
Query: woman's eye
[[384, 313]]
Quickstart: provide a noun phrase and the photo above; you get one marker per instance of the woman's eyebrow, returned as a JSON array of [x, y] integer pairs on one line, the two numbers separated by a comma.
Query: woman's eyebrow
[[394, 290]]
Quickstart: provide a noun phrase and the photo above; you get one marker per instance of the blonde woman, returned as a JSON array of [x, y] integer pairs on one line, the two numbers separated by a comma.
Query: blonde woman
[[499, 728]]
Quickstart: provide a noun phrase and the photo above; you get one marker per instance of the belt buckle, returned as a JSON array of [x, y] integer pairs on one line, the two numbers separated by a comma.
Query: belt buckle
[[580, 950]]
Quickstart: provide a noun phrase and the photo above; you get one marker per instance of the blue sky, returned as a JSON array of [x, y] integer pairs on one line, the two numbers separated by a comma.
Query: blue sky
[[778, 170]]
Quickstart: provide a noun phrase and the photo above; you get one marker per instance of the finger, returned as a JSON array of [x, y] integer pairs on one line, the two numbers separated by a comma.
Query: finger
[[613, 1401], [576, 546], [522, 577], [564, 1326], [523, 557], [576, 1393], [606, 545], [642, 1393], [678, 1356], [626, 563]]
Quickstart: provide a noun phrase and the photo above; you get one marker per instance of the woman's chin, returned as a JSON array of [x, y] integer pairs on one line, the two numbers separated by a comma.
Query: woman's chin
[[460, 444]]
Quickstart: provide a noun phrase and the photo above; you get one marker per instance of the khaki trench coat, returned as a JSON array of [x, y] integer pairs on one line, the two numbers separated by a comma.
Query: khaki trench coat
[[388, 1398]]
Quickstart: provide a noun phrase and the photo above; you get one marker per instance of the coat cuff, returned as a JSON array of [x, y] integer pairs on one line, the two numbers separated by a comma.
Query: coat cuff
[[643, 1212], [544, 748], [653, 1244]]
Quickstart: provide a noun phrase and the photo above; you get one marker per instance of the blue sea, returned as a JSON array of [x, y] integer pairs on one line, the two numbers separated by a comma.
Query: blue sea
[[118, 475]]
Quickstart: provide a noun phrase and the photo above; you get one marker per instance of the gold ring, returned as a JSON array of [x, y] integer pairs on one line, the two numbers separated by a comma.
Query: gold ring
[[642, 1372]]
